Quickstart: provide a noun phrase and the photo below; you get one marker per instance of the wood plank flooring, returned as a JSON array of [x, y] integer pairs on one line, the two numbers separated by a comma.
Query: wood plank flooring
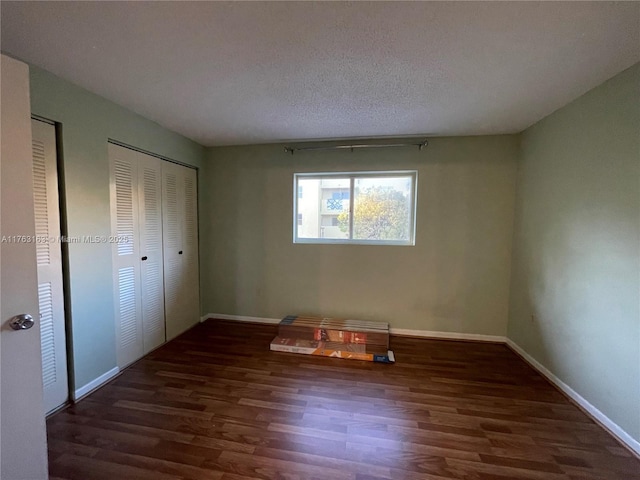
[[217, 404]]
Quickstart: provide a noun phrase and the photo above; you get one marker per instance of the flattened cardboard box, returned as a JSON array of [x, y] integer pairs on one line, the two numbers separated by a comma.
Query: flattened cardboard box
[[329, 349], [361, 332]]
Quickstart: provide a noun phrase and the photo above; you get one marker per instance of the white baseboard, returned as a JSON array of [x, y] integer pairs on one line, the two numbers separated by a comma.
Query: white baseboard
[[600, 418], [95, 384]]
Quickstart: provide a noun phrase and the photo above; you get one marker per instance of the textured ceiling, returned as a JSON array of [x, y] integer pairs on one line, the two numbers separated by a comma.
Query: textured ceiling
[[227, 73]]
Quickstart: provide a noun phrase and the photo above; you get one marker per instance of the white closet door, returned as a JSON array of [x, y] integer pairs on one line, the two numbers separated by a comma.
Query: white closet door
[[150, 236], [180, 214], [126, 255], [190, 247], [49, 259], [172, 201]]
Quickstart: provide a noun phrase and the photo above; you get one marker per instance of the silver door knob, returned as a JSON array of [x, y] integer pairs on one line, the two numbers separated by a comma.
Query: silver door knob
[[21, 322]]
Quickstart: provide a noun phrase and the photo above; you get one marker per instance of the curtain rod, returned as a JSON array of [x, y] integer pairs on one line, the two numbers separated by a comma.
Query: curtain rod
[[420, 146]]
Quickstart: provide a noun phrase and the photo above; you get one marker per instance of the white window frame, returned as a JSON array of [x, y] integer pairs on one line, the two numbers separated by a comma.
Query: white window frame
[[352, 176]]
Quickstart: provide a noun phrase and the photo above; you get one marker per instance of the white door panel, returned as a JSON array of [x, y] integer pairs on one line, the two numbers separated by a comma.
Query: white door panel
[[190, 244], [151, 263], [180, 212], [49, 260], [126, 255], [172, 199], [23, 447]]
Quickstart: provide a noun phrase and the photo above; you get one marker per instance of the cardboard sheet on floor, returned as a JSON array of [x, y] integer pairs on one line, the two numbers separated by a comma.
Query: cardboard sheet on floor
[[375, 335], [329, 349]]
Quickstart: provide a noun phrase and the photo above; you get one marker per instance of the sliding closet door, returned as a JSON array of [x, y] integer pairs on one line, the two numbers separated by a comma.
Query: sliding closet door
[[126, 255], [180, 248], [49, 259], [151, 259]]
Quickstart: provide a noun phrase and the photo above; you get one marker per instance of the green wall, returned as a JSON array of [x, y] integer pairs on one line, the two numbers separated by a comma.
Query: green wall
[[87, 122], [568, 294], [455, 278], [575, 284]]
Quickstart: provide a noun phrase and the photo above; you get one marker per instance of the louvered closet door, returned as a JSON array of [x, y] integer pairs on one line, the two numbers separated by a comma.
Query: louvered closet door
[[179, 191], [151, 260], [49, 258], [190, 247], [126, 255], [172, 199]]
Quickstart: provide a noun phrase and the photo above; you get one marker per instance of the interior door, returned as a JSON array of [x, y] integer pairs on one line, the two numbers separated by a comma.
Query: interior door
[[49, 260], [126, 255], [150, 240], [23, 448]]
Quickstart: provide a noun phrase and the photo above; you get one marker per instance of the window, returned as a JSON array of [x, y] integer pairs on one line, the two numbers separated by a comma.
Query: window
[[341, 195], [359, 207]]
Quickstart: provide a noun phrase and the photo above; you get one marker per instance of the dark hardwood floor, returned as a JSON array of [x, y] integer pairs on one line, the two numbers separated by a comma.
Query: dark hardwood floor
[[217, 404]]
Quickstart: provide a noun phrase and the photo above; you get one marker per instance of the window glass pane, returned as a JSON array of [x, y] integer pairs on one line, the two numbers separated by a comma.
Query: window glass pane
[[308, 217], [322, 212], [340, 194], [381, 204], [382, 208], [334, 208]]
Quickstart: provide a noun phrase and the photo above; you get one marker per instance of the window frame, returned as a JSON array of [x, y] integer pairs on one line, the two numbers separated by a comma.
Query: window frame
[[352, 176]]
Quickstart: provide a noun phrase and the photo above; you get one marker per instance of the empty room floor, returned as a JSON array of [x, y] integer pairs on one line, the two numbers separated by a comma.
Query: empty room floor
[[215, 403]]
